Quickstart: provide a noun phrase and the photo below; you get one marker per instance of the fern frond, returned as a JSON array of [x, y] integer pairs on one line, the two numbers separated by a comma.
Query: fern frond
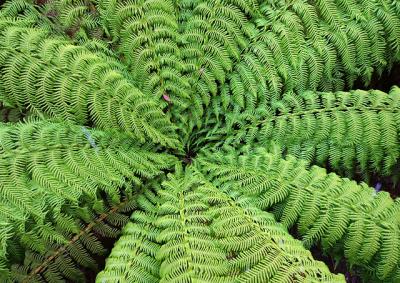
[[213, 38], [350, 132], [49, 169], [146, 33], [200, 234], [326, 208], [133, 257], [95, 117], [180, 59], [77, 18], [299, 46], [22, 13], [62, 262], [69, 82]]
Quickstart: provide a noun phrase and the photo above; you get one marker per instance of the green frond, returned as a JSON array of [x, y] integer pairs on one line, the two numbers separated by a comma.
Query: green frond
[[204, 120], [147, 36], [338, 213], [350, 132], [195, 232], [76, 18], [49, 169], [70, 82], [321, 46], [180, 61], [22, 13]]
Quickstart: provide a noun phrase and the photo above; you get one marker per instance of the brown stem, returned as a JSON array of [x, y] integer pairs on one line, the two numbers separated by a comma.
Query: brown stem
[[62, 249]]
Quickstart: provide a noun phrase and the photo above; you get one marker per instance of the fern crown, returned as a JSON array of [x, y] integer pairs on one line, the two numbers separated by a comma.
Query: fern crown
[[199, 141]]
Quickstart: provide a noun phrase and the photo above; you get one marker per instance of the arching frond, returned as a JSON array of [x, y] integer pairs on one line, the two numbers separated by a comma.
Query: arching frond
[[65, 81], [356, 131], [180, 58], [49, 169], [321, 46], [97, 96], [199, 234], [338, 213]]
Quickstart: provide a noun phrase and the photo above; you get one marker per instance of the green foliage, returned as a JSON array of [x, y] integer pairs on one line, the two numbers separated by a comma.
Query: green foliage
[[49, 170], [301, 45], [214, 33], [146, 33], [63, 262], [98, 98], [351, 132], [79, 19], [58, 79], [338, 213], [190, 230], [180, 51], [22, 13]]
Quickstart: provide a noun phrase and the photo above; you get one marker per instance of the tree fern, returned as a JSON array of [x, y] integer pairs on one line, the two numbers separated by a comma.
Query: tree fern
[[98, 99], [337, 212], [191, 231]]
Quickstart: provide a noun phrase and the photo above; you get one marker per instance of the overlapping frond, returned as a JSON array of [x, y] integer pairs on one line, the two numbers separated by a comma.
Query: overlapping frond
[[300, 45], [22, 13], [133, 258], [54, 77], [70, 261], [180, 51], [48, 170], [214, 34], [350, 132], [146, 33], [338, 213], [98, 93], [191, 231], [79, 19]]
